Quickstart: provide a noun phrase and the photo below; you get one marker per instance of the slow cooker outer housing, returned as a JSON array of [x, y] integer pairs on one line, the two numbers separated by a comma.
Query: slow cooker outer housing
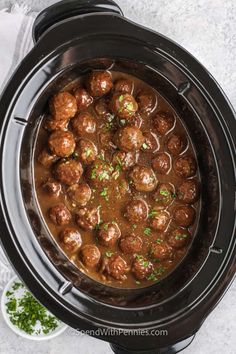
[[107, 35]]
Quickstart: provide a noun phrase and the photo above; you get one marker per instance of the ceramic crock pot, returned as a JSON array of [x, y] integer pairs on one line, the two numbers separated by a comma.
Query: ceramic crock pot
[[71, 38]]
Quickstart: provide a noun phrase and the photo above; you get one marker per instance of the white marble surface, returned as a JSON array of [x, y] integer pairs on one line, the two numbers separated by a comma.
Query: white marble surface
[[207, 28]]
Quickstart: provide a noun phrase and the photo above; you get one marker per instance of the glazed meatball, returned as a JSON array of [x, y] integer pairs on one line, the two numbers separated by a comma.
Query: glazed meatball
[[60, 215], [55, 124], [88, 218], [184, 215], [90, 255], [163, 122], [99, 173], [161, 163], [185, 166], [83, 99], [151, 143], [161, 251], [179, 238], [84, 123], [176, 144], [131, 244], [136, 210], [101, 107], [61, 143], [143, 178], [63, 106], [159, 219], [86, 151], [147, 101], [52, 188], [129, 138], [124, 159], [123, 105], [188, 191], [79, 194], [108, 234], [71, 239], [124, 86], [68, 172], [99, 83], [46, 159], [164, 194], [141, 268], [116, 267]]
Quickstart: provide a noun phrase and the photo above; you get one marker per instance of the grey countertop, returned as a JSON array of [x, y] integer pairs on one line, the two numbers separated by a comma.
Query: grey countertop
[[206, 28]]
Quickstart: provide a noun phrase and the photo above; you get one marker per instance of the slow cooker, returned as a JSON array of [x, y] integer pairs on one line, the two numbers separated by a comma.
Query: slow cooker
[[71, 38]]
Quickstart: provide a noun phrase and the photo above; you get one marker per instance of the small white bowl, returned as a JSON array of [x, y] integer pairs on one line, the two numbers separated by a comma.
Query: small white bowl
[[40, 337]]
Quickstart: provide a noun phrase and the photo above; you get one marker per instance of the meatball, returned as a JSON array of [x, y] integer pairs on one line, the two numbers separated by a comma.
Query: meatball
[[141, 268], [161, 251], [179, 238], [188, 191], [163, 122], [79, 194], [86, 150], [63, 106], [55, 124], [101, 108], [46, 159], [116, 267], [60, 215], [84, 123], [124, 86], [99, 173], [61, 143], [136, 210], [123, 105], [176, 144], [185, 166], [151, 143], [184, 215], [108, 234], [129, 138], [164, 194], [124, 160], [52, 188], [90, 255], [147, 101], [71, 239], [68, 172], [143, 178], [83, 99], [99, 83], [161, 163], [131, 244], [159, 219], [88, 218]]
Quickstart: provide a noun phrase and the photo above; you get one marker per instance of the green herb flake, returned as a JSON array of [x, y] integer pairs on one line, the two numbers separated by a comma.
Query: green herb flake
[[109, 254], [164, 192], [158, 241], [156, 274], [122, 121], [180, 236], [145, 146], [134, 226], [75, 155], [147, 231], [174, 195], [152, 213], [121, 98], [88, 152], [104, 193]]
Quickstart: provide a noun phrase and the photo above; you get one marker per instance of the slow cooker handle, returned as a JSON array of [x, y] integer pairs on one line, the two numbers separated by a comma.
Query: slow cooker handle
[[69, 8]]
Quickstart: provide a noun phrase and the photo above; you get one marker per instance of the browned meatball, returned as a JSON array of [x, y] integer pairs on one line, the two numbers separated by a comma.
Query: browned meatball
[[79, 194], [63, 106], [131, 244], [71, 239], [86, 150], [84, 123], [185, 166], [124, 86], [60, 215], [124, 160], [147, 101], [164, 194], [176, 144], [101, 107], [52, 188], [61, 143], [136, 210], [90, 255], [108, 234], [88, 218], [99, 173], [159, 219], [129, 138], [142, 268], [83, 99], [161, 163], [143, 178], [55, 124], [188, 191], [151, 143], [179, 238], [123, 105], [184, 215], [163, 122], [46, 159], [68, 172], [161, 251], [116, 267], [99, 83]]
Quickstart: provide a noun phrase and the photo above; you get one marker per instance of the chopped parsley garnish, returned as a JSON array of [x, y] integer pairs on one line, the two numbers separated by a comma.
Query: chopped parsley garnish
[[98, 225], [104, 193], [145, 146], [152, 213], [180, 236], [134, 226], [147, 231], [121, 97], [164, 192], [159, 241], [174, 195], [103, 175], [105, 226], [75, 155], [109, 254], [88, 152], [156, 273], [129, 106], [122, 121], [145, 263]]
